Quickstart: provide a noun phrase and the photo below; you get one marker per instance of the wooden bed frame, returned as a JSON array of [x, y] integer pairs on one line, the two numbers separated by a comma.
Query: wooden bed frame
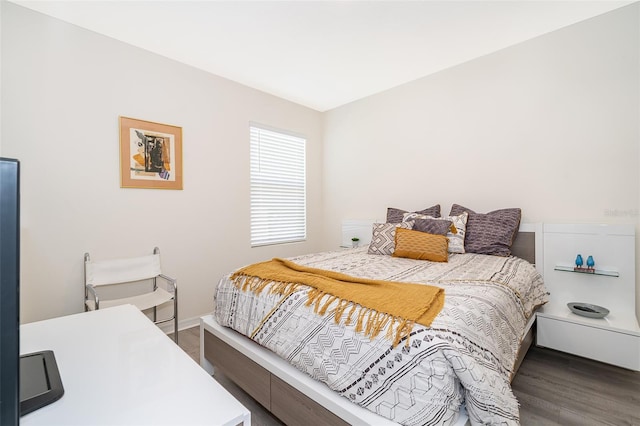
[[296, 398]]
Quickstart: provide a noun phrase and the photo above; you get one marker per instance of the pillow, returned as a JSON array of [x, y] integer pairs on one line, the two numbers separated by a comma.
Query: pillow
[[433, 226], [490, 233], [383, 240], [456, 239], [395, 215], [421, 245]]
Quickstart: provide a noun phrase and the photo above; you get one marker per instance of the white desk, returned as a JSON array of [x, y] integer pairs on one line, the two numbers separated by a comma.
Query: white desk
[[118, 368]]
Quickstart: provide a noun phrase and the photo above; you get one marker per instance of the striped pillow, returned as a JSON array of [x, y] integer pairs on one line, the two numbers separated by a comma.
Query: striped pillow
[[490, 233], [434, 226], [395, 215]]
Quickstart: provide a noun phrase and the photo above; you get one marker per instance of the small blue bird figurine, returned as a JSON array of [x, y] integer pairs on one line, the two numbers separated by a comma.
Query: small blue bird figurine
[[579, 261], [590, 262]]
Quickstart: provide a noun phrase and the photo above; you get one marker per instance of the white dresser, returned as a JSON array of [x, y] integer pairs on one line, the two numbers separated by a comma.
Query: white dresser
[[614, 339]]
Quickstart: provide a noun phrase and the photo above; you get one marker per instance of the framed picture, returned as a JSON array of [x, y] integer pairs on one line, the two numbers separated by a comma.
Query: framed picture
[[150, 155]]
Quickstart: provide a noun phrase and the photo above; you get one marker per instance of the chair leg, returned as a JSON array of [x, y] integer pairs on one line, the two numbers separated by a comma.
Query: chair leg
[[175, 316], [175, 330]]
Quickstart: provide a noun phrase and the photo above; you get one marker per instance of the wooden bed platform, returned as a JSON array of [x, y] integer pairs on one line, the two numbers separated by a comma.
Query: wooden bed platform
[[296, 398]]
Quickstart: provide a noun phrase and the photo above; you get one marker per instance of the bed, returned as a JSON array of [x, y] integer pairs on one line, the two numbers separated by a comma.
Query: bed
[[454, 371]]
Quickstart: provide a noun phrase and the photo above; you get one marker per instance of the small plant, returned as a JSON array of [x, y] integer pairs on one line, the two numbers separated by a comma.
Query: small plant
[[355, 239]]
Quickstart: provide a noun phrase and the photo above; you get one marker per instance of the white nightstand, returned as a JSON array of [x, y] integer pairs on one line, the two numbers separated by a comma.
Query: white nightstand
[[614, 339], [356, 228]]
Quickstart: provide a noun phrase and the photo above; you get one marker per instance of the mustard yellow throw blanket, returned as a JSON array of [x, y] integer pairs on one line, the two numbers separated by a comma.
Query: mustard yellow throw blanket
[[373, 304]]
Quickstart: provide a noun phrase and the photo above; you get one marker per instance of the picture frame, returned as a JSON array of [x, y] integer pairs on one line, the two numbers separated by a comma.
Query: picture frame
[[150, 154]]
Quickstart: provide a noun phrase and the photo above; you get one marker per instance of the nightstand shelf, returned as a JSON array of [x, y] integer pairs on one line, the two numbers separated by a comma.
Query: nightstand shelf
[[587, 271], [614, 339]]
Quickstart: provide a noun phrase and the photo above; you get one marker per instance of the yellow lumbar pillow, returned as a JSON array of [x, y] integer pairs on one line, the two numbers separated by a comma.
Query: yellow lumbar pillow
[[421, 245]]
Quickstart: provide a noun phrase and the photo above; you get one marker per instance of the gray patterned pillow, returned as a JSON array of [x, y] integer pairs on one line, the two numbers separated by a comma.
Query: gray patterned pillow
[[383, 240], [432, 226], [395, 215], [456, 240], [490, 233]]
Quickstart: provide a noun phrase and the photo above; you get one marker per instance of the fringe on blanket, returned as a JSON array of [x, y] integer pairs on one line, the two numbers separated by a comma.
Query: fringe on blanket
[[367, 321]]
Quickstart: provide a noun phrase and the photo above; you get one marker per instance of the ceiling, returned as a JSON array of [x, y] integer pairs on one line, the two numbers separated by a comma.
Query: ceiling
[[322, 54]]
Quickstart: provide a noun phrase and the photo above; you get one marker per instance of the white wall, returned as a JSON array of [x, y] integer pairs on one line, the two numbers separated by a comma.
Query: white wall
[[63, 90], [550, 125]]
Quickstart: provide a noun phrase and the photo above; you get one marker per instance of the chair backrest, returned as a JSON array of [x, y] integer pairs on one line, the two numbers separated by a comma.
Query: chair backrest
[[122, 270]]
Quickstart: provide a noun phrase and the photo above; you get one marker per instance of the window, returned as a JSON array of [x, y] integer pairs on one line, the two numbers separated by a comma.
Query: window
[[278, 187]]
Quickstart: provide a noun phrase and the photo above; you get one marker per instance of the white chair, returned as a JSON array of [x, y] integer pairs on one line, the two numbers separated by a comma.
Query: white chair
[[130, 272]]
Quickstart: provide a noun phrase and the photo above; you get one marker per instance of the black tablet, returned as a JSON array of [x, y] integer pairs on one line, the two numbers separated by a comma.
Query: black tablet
[[40, 382]]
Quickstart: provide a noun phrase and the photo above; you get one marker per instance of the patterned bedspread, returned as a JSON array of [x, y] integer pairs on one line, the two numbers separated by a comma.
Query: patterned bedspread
[[465, 357]]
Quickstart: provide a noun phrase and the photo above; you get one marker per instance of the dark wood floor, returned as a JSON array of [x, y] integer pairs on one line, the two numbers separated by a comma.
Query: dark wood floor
[[553, 389], [189, 341]]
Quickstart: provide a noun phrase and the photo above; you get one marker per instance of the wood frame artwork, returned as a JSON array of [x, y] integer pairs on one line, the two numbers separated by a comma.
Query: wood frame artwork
[[150, 154]]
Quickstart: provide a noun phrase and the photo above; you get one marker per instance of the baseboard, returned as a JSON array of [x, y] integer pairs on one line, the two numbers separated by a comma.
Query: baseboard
[[183, 324]]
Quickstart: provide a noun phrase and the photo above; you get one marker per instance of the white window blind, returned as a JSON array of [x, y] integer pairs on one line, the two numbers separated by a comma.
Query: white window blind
[[278, 187]]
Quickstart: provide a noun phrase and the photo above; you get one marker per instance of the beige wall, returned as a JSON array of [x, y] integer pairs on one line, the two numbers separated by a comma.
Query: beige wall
[[550, 125], [63, 90]]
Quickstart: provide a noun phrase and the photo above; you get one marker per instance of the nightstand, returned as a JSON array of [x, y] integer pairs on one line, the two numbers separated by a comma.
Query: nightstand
[[614, 339], [356, 228]]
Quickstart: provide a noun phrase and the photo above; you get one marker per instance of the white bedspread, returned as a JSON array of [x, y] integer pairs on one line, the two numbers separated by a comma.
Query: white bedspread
[[466, 356]]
